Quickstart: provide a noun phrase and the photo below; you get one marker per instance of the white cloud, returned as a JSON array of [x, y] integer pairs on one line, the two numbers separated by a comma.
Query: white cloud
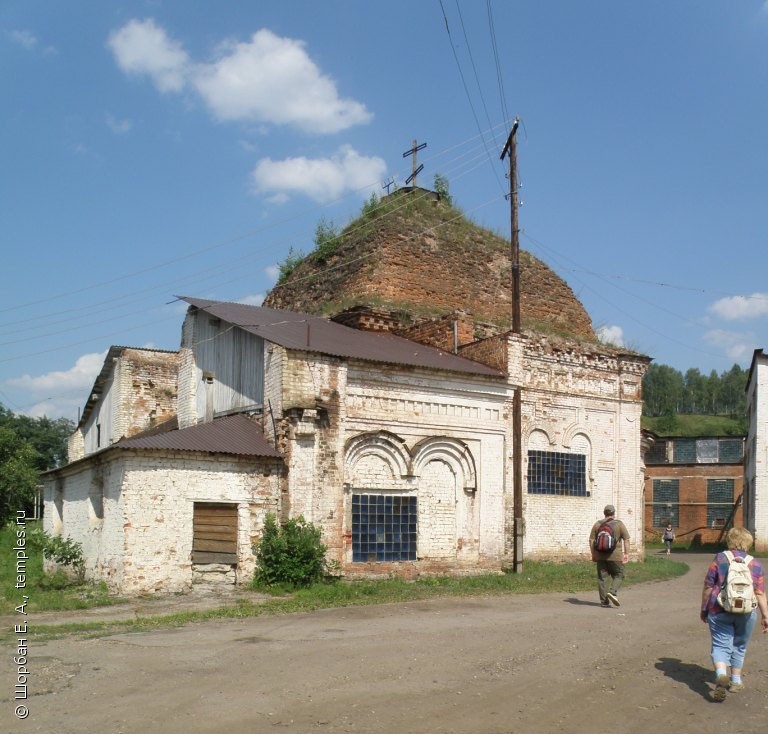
[[735, 308], [119, 127], [272, 79], [60, 393], [322, 179], [27, 39], [273, 271], [266, 80], [736, 346], [80, 376], [141, 47], [256, 299], [611, 335]]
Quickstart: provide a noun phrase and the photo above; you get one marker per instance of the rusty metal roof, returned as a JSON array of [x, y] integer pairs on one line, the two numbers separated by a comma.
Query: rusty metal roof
[[305, 332], [234, 434]]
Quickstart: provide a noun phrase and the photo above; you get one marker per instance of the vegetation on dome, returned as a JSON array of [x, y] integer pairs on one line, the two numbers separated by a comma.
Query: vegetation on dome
[[376, 214], [414, 252]]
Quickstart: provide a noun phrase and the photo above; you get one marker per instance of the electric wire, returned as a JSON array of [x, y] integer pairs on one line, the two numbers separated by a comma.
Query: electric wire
[[468, 143], [466, 88]]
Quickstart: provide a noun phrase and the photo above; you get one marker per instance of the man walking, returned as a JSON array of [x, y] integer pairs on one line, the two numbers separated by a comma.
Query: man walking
[[609, 546]]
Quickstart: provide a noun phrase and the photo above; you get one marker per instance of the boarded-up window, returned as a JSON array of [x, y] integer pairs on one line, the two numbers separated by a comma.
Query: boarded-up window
[[214, 533], [657, 454]]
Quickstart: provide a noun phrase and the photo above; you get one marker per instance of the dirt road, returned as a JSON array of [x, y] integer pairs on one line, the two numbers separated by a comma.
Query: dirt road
[[524, 664]]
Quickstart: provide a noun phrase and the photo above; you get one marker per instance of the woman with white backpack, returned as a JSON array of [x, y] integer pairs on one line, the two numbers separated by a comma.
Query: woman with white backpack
[[734, 590]]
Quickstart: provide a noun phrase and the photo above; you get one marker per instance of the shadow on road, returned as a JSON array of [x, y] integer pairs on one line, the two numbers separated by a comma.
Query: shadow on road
[[581, 602], [693, 675]]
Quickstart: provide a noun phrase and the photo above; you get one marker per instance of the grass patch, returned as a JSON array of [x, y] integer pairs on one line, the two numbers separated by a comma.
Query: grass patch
[[46, 592], [537, 577]]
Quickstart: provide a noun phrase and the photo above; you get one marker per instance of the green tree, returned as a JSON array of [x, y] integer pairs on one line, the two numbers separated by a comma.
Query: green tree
[[662, 390], [442, 188], [695, 392], [732, 400], [48, 437], [18, 474], [326, 239]]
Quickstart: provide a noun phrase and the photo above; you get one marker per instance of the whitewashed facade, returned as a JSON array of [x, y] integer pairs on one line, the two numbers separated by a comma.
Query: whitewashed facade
[[756, 452], [133, 510], [585, 401], [428, 448]]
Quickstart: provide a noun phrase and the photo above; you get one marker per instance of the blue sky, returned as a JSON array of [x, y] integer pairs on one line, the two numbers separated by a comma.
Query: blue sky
[[156, 148]]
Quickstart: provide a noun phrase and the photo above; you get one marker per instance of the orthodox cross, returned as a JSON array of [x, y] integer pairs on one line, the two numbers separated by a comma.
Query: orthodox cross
[[415, 170]]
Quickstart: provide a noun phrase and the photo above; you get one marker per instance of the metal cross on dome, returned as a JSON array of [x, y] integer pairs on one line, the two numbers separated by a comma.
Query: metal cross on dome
[[415, 171]]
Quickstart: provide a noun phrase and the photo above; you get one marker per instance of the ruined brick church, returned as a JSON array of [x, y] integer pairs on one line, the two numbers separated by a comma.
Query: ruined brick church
[[371, 394]]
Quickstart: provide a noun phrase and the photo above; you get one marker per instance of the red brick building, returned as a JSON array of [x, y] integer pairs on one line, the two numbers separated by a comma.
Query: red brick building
[[696, 484]]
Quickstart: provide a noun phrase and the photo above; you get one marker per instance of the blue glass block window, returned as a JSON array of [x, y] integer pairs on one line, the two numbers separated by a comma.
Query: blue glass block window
[[719, 502], [553, 472], [731, 451], [666, 502], [685, 451], [384, 527]]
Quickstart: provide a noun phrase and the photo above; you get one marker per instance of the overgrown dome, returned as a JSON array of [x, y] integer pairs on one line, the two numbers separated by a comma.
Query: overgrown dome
[[417, 256]]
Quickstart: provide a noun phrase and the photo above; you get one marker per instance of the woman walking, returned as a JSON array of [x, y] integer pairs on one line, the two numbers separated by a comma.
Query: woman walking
[[729, 630], [668, 537]]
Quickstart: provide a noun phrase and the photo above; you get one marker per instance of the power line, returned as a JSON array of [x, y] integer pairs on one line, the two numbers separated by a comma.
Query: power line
[[270, 246], [466, 92], [497, 61]]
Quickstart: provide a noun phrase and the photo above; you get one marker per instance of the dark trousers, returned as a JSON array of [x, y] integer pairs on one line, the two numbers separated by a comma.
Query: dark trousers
[[609, 570]]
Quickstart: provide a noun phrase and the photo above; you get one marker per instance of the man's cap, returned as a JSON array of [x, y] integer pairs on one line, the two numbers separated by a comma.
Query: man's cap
[[609, 510]]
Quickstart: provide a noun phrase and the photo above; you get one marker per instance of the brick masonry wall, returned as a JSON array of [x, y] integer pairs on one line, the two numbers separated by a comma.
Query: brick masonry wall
[[589, 402], [428, 272], [152, 385], [692, 495], [446, 333], [361, 400], [186, 404], [90, 489], [144, 542], [139, 392]]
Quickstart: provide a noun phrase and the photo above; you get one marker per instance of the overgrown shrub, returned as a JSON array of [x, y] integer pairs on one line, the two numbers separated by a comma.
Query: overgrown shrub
[[327, 239], [292, 260], [442, 188], [63, 551], [291, 553]]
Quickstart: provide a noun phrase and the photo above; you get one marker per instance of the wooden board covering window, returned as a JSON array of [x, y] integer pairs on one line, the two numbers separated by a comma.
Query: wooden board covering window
[[214, 533]]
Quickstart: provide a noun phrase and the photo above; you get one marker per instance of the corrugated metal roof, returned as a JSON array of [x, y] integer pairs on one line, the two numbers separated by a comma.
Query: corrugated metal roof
[[234, 434], [294, 330]]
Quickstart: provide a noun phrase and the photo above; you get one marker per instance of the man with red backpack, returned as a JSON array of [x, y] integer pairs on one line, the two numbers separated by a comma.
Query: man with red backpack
[[609, 546]]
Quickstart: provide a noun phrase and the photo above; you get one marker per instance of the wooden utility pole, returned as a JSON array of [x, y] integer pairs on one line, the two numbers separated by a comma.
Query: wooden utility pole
[[510, 151]]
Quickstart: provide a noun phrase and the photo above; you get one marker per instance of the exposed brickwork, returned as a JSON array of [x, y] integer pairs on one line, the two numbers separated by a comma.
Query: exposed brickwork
[[492, 351], [368, 319], [692, 506], [424, 259], [136, 390], [446, 333], [153, 388]]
